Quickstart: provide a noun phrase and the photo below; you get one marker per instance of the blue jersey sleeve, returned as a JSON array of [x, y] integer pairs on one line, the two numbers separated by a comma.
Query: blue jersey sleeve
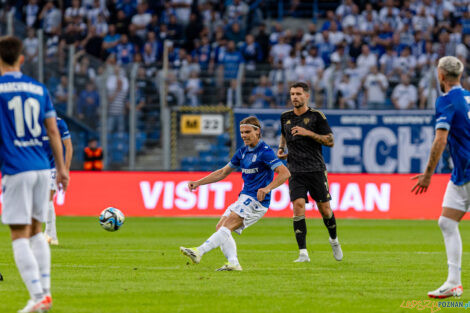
[[235, 161], [445, 111], [269, 159], [63, 129]]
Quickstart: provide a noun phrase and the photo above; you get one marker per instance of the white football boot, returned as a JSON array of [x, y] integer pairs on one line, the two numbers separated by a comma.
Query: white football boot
[[337, 252], [192, 253], [303, 256], [229, 267], [446, 290], [38, 306]]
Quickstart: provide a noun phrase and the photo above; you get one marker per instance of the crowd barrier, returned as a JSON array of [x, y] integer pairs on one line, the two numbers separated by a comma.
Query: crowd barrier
[[374, 196]]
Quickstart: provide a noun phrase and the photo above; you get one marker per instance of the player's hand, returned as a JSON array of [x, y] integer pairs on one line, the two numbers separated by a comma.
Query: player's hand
[[299, 131], [262, 192], [422, 185], [192, 185], [62, 179], [281, 154]]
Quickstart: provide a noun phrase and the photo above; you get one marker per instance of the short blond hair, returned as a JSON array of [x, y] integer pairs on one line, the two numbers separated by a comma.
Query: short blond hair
[[451, 66]]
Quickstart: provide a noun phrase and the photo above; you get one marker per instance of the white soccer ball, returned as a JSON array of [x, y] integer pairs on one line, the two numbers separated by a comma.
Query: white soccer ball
[[111, 219]]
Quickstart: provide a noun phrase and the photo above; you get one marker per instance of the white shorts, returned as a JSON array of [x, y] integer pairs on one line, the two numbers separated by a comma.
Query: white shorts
[[457, 197], [25, 196], [53, 183], [247, 208]]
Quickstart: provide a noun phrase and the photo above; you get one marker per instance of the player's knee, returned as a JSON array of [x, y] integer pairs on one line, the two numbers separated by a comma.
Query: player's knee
[[446, 224]]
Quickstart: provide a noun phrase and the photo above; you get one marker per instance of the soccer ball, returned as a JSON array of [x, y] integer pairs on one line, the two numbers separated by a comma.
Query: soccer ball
[[111, 219]]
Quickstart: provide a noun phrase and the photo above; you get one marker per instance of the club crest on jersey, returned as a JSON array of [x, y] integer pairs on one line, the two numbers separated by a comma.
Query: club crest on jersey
[[253, 159], [288, 122], [306, 120]]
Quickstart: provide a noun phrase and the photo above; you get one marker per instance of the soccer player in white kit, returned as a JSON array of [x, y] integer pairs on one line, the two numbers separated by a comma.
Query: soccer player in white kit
[[453, 127], [25, 109], [258, 164]]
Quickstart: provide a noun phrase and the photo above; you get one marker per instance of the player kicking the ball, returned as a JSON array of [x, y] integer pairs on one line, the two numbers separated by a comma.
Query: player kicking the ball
[[453, 127], [258, 164]]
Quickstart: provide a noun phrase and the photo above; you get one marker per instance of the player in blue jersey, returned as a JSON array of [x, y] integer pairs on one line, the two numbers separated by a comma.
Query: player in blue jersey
[[51, 230], [25, 111], [453, 128], [258, 164]]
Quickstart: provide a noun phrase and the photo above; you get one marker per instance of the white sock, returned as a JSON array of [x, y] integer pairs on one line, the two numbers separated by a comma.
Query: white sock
[[28, 267], [229, 249], [214, 241], [42, 253], [51, 229], [303, 251], [453, 242]]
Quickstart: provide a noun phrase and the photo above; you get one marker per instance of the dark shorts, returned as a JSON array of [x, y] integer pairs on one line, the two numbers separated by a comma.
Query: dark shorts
[[315, 183]]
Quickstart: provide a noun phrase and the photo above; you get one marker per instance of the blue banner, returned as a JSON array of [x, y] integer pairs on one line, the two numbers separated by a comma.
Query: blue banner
[[365, 141]]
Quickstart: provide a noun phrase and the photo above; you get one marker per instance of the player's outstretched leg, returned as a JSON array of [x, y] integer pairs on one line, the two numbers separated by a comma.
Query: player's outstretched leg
[[330, 223], [300, 231], [229, 249], [214, 241], [453, 242]]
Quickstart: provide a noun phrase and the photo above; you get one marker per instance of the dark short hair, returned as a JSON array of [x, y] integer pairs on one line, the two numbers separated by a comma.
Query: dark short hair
[[10, 49], [302, 85]]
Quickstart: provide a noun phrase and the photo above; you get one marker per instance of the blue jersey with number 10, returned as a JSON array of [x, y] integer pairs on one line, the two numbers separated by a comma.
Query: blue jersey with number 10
[[24, 104], [257, 166], [453, 114]]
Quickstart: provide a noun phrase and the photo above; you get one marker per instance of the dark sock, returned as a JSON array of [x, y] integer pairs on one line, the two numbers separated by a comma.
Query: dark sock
[[330, 224], [300, 230]]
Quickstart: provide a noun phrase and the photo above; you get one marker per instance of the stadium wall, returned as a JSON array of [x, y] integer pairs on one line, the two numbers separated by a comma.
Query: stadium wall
[[372, 196]]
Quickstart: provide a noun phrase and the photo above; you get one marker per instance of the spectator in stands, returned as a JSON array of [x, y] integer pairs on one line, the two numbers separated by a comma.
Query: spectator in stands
[[251, 52], [280, 94], [31, 47], [61, 94], [189, 65], [262, 39], [93, 156], [31, 11], [175, 90], [427, 89], [203, 53], [405, 63], [93, 43], [182, 10], [117, 90], [279, 51], [404, 95], [262, 95], [375, 88], [75, 10], [122, 22], [366, 60], [236, 12], [347, 93], [51, 18], [111, 40], [125, 51], [141, 20], [231, 61], [235, 33], [174, 30], [102, 27], [88, 104], [95, 11], [193, 88]]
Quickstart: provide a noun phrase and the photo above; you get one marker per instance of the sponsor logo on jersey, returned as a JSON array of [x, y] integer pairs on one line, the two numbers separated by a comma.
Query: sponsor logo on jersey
[[249, 170]]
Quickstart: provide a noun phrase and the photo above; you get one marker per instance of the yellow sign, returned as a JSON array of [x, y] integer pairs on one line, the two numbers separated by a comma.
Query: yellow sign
[[190, 124]]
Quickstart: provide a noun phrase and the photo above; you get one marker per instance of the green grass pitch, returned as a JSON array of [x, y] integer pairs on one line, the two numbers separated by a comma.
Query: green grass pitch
[[140, 269]]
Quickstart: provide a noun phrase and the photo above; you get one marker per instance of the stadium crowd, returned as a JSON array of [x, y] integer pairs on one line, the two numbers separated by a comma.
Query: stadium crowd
[[360, 55]]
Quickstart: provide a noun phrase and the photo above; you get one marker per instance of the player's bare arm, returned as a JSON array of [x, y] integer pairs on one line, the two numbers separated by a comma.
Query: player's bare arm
[[56, 146], [211, 178], [282, 175], [68, 152], [326, 140], [438, 146], [281, 152]]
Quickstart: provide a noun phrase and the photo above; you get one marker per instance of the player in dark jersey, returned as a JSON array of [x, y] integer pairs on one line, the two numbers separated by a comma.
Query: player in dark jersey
[[304, 132], [258, 164]]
